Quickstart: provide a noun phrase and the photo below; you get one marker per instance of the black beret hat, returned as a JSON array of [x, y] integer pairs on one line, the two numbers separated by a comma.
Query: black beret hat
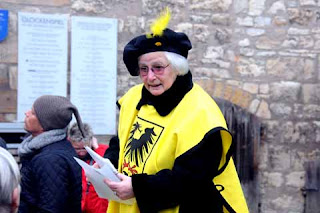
[[170, 41]]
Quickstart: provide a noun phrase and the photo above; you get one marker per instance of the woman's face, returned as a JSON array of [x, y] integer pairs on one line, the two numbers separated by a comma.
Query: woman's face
[[31, 123], [156, 72]]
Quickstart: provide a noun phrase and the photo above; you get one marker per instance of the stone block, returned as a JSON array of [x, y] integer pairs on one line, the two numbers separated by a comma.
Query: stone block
[[245, 100], [263, 110], [4, 76], [308, 2], [207, 85], [245, 22], [254, 106], [2, 117], [272, 132], [285, 91], [311, 93], [267, 43], [152, 8], [223, 35], [289, 203], [298, 159], [279, 157], [134, 25], [237, 96], [88, 7], [244, 43], [240, 5], [8, 100], [306, 42], [13, 77], [186, 28], [221, 19], [214, 52], [298, 31], [40, 2], [256, 7], [300, 16], [311, 111], [281, 110], [9, 49], [251, 87], [249, 67], [316, 126], [212, 5], [262, 21], [279, 21], [263, 157], [255, 32], [202, 32], [296, 179], [200, 18], [289, 133], [218, 89], [302, 133], [277, 7], [275, 179], [10, 117], [212, 73], [290, 68], [245, 51], [228, 92], [234, 83], [298, 110], [264, 88], [266, 53]]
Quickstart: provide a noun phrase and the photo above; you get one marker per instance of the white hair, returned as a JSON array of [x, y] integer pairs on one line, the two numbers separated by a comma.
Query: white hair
[[9, 179], [178, 62]]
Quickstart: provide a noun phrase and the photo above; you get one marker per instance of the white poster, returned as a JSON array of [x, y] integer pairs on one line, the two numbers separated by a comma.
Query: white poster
[[43, 57], [94, 71]]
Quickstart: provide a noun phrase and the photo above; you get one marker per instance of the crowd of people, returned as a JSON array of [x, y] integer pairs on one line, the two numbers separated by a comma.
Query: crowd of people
[[172, 151]]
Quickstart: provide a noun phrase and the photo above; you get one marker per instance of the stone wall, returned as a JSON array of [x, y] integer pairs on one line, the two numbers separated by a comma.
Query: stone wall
[[262, 55]]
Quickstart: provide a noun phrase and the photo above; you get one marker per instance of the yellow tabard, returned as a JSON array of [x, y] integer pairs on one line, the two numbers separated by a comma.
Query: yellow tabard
[[150, 142]]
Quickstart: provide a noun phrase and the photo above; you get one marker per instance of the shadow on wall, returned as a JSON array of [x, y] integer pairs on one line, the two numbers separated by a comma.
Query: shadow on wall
[[311, 190], [245, 128]]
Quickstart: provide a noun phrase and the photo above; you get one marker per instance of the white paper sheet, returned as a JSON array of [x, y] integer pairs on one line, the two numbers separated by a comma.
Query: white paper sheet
[[96, 176]]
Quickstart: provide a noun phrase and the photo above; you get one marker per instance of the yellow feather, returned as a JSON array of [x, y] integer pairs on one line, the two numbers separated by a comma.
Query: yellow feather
[[160, 24]]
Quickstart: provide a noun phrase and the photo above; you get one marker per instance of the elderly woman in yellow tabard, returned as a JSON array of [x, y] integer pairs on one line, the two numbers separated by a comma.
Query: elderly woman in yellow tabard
[[174, 149]]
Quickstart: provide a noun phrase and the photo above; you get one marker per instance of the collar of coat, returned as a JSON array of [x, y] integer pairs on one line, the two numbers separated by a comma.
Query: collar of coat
[[168, 100]]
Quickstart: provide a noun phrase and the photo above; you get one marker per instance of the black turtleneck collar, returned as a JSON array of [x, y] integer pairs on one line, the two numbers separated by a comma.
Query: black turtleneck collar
[[168, 100]]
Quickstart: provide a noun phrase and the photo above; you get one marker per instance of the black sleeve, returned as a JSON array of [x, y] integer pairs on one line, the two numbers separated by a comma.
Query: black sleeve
[[112, 153], [191, 174]]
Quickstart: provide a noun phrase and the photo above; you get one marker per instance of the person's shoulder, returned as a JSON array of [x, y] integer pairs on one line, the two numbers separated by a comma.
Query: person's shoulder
[[135, 89], [63, 145], [200, 102], [198, 96], [134, 93], [56, 149]]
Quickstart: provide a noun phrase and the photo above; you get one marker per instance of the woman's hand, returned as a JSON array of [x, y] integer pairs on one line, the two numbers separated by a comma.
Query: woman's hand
[[122, 189], [94, 143]]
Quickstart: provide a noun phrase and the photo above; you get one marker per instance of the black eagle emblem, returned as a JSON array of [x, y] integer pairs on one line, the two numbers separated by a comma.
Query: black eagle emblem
[[137, 149]]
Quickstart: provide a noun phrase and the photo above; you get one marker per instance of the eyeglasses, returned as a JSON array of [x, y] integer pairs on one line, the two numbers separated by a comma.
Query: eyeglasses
[[156, 69]]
